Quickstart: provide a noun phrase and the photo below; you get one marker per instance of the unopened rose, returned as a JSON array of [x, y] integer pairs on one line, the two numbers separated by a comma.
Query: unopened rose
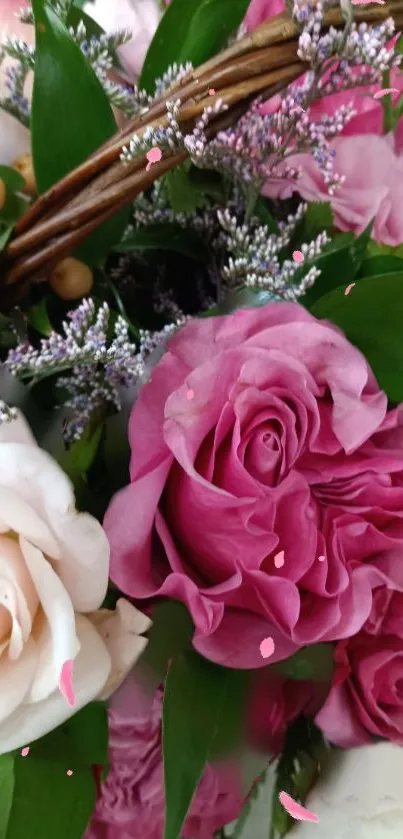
[[54, 566]]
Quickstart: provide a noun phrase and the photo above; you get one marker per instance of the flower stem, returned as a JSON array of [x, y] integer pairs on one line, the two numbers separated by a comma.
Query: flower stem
[[388, 121]]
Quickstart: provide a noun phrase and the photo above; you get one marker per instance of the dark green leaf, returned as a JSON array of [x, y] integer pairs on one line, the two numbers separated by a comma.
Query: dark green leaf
[[71, 117], [378, 265], [47, 802], [190, 30], [339, 262], [371, 317], [5, 233], [169, 237], [14, 182], [264, 215], [318, 217], [78, 459], [375, 249], [170, 634], [38, 318], [183, 196], [208, 182], [196, 721], [313, 663], [6, 791], [14, 207]]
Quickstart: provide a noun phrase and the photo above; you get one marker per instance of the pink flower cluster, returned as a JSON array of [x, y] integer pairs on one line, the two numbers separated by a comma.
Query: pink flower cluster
[[131, 805]]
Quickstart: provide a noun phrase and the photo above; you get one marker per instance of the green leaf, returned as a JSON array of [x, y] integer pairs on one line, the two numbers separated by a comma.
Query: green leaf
[[339, 262], [77, 461], [5, 233], [166, 237], [47, 802], [313, 663], [318, 217], [71, 117], [371, 316], [38, 318], [6, 791], [196, 717], [171, 634], [378, 265], [264, 215], [376, 249], [13, 181], [190, 30], [183, 195]]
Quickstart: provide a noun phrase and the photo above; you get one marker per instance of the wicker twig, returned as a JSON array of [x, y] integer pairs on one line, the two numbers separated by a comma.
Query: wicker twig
[[263, 62]]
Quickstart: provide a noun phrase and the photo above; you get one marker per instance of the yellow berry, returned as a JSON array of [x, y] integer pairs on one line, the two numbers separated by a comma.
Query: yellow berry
[[71, 279], [2, 194], [24, 165]]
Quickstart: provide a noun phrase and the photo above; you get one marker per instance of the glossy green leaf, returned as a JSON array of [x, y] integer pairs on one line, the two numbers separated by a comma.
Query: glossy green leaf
[[6, 791], [313, 663], [196, 717], [190, 30], [38, 318], [170, 634], [71, 117], [339, 262], [47, 802], [378, 265], [318, 217], [12, 179], [371, 316], [166, 237]]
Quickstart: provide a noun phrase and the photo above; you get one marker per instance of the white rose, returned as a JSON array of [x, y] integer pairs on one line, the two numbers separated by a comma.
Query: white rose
[[140, 17], [54, 565], [359, 797]]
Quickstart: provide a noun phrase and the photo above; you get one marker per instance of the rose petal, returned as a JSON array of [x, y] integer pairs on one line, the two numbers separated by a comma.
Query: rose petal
[[16, 679]]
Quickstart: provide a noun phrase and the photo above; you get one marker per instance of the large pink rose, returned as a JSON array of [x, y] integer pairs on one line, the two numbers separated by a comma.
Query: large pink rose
[[367, 695], [260, 432], [131, 805]]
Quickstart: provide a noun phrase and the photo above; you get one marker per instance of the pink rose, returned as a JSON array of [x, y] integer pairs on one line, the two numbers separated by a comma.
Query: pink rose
[[258, 434], [275, 703], [261, 10], [131, 805], [367, 695]]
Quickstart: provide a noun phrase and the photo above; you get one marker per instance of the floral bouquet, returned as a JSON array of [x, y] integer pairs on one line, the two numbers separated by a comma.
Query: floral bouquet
[[201, 425]]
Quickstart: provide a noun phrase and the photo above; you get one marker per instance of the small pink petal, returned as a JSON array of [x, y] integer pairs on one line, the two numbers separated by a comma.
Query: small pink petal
[[69, 772], [25, 751], [66, 682], [298, 256], [366, 2], [297, 811], [279, 559], [321, 558], [154, 155], [190, 394], [267, 647], [349, 287], [211, 92], [385, 91]]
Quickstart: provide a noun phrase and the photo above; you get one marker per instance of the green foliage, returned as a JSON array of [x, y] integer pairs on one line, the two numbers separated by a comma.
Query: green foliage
[[71, 117], [166, 237], [314, 663], [190, 30]]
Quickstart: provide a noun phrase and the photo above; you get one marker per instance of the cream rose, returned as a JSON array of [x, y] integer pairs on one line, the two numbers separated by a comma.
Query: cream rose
[[54, 565], [359, 797]]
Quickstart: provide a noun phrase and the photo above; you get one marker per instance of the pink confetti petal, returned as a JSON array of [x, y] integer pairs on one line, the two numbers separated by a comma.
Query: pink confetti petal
[[279, 559], [349, 287], [66, 682], [385, 91], [211, 92], [69, 772], [298, 256], [25, 751], [267, 647], [321, 558], [153, 156], [190, 394], [366, 2], [297, 811]]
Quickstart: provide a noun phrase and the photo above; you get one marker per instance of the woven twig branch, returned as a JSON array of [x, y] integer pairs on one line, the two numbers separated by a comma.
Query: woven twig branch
[[265, 61]]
